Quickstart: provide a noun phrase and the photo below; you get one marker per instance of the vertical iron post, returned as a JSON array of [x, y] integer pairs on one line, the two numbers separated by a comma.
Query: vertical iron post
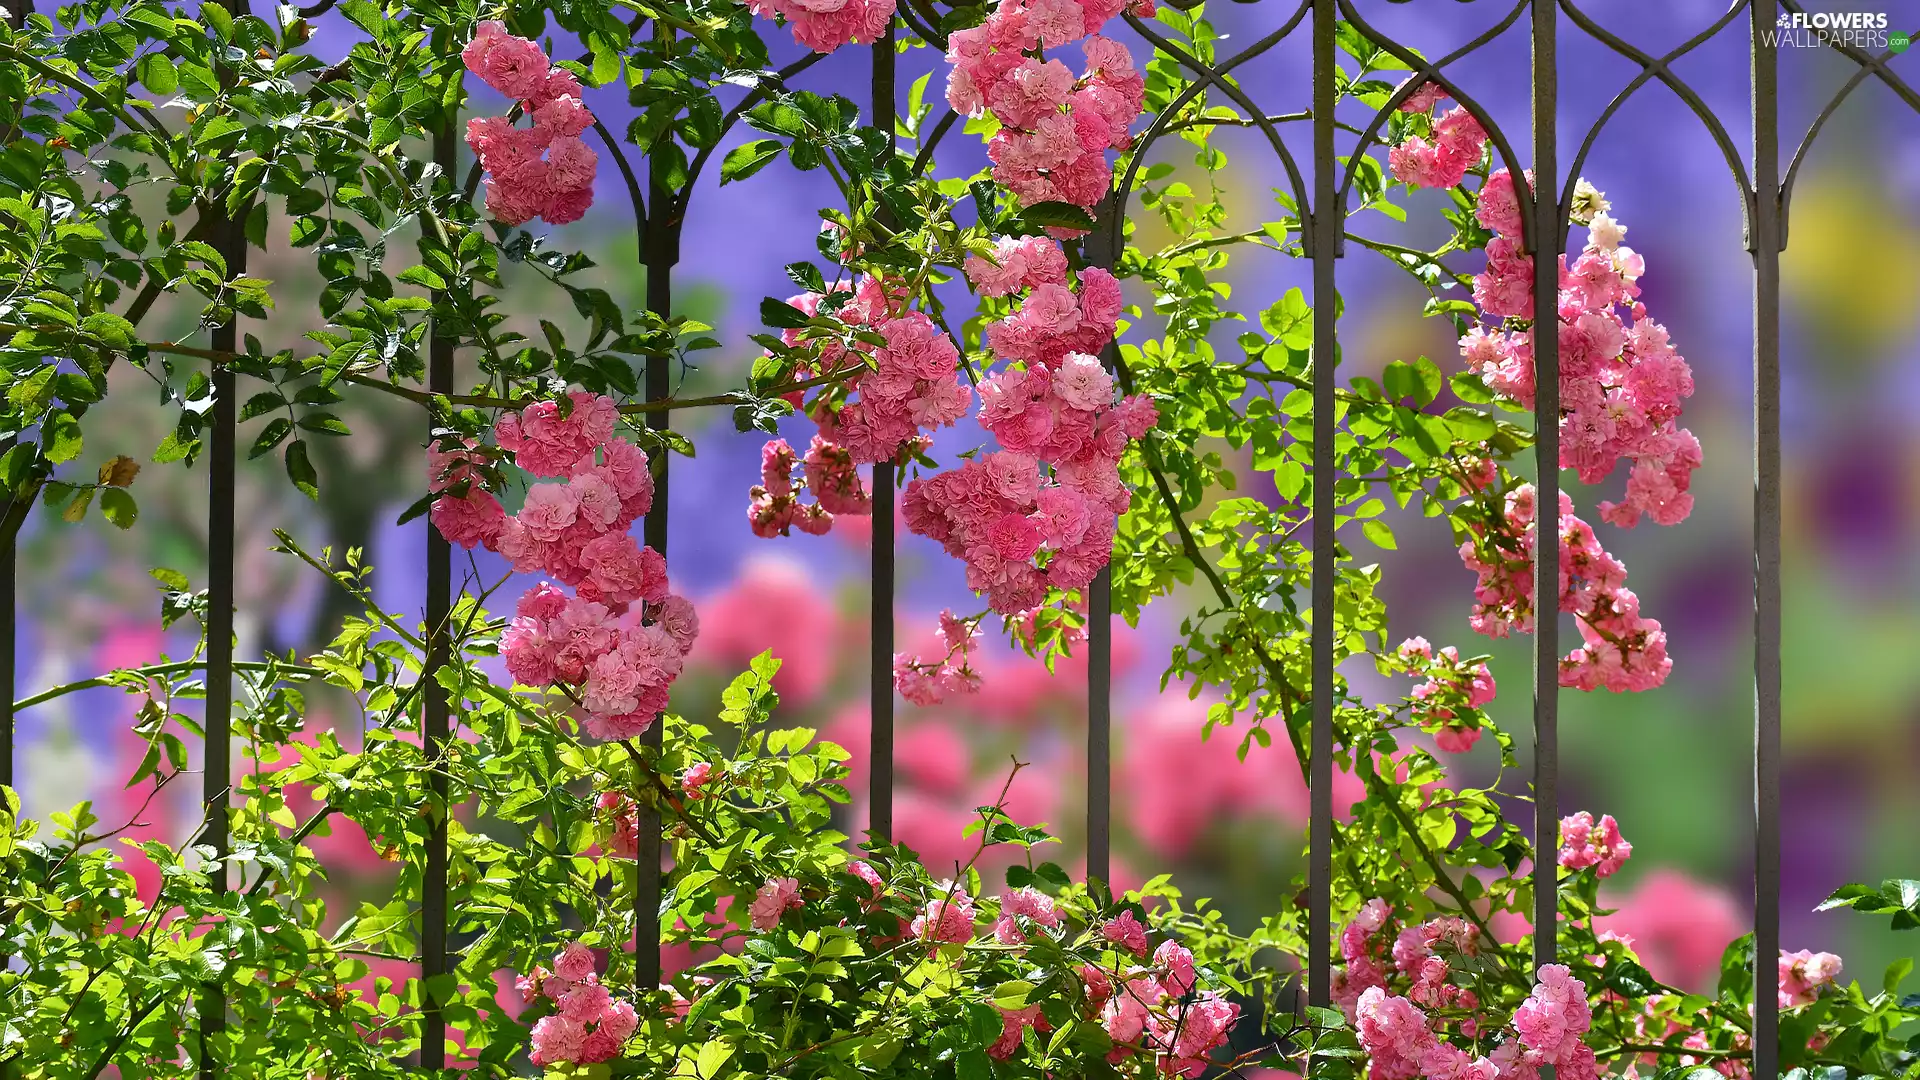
[[1765, 240], [880, 673], [1325, 222], [1544, 230], [435, 706]]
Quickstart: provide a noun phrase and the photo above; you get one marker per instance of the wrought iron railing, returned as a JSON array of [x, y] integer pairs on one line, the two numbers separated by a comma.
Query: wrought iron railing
[[1321, 192]]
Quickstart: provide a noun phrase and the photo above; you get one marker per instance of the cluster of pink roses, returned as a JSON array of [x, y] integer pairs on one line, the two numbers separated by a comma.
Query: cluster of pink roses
[[779, 895], [622, 817], [1456, 144], [946, 919], [1451, 685], [1419, 953], [775, 898], [589, 1025], [695, 778], [925, 682], [829, 471], [879, 412], [1024, 905], [1622, 650], [1551, 1024], [825, 25], [1402, 1041], [577, 532], [1621, 387], [1055, 128], [1147, 1005], [1156, 1009], [1803, 973], [999, 512], [1585, 843], [521, 184], [1621, 381]]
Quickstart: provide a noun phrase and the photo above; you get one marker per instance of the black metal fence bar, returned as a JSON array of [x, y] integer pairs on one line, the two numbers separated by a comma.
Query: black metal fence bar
[[18, 10], [216, 783], [8, 641], [880, 660], [1100, 726], [1765, 240], [1108, 236], [1544, 236], [1323, 242], [434, 704], [8, 562], [661, 247]]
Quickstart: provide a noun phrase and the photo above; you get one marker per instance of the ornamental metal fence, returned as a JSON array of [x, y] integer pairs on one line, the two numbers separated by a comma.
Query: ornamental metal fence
[[1320, 183]]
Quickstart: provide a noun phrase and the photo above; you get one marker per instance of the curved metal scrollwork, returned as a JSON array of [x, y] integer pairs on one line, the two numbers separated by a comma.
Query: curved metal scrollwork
[[1661, 68]]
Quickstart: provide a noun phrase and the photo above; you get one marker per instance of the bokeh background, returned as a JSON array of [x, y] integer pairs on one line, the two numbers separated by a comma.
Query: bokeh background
[[1674, 765]]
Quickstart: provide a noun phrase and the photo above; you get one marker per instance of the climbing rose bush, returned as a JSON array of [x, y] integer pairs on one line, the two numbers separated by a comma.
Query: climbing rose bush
[[542, 171], [617, 642], [1144, 433]]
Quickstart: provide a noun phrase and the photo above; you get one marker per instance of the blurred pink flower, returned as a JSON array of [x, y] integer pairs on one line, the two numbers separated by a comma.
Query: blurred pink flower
[[125, 645], [1178, 785], [852, 729], [1679, 926], [932, 827], [933, 756], [1034, 795], [773, 604]]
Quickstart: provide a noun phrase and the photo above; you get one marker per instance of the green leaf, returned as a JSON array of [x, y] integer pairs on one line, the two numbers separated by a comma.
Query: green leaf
[[807, 276], [216, 18], [1056, 215], [972, 1065], [306, 230], [715, 1054], [606, 64], [77, 509], [156, 72], [216, 129], [1470, 388], [1899, 897], [367, 17], [1012, 995], [271, 436], [781, 315], [1290, 319], [264, 403], [118, 505], [111, 329], [1897, 973], [745, 160], [1380, 533], [324, 423], [423, 277], [300, 470], [61, 436]]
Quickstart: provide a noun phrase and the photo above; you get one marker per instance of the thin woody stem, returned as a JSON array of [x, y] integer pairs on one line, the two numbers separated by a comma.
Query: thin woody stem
[[483, 401]]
